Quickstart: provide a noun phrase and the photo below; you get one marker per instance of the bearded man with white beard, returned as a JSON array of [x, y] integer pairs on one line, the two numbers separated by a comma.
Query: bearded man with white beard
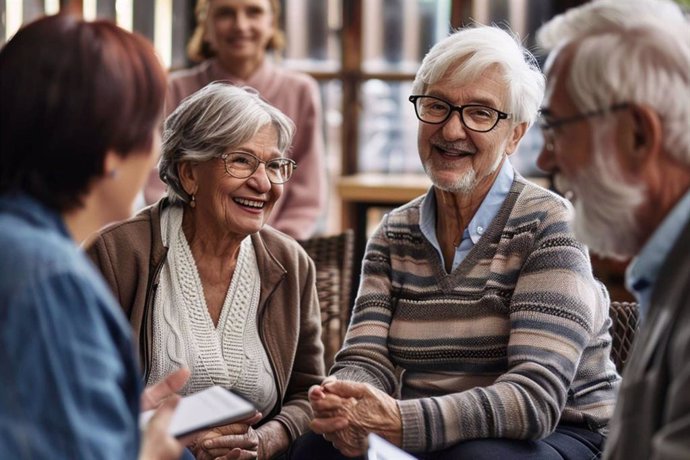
[[478, 331], [617, 123]]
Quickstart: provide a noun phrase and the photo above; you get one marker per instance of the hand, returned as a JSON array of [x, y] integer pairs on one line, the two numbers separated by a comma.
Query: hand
[[346, 412], [157, 393], [235, 441], [157, 444]]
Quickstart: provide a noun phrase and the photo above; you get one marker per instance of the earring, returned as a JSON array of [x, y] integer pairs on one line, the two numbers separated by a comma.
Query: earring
[[112, 174], [192, 203]]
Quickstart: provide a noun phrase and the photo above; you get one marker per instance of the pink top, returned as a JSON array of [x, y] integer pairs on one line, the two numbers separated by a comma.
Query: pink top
[[295, 94]]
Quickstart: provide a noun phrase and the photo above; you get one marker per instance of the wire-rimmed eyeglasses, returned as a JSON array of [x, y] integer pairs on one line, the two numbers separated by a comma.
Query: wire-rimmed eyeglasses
[[243, 164], [475, 117], [548, 124]]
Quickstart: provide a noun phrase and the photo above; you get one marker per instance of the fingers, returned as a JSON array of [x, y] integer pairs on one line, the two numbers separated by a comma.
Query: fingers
[[157, 443], [238, 454], [315, 393], [256, 418], [328, 425], [155, 394], [346, 389], [223, 443], [238, 428], [160, 421]]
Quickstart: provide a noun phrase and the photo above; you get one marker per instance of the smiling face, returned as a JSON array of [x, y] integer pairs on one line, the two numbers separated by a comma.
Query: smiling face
[[239, 30], [455, 158], [229, 205]]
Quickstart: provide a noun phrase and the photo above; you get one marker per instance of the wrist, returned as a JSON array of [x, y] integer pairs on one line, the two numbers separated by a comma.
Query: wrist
[[273, 439]]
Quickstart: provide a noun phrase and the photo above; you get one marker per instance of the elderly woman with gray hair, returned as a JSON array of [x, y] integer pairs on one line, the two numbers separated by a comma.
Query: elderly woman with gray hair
[[207, 285]]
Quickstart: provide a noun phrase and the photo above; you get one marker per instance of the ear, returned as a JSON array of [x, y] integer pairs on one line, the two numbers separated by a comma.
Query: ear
[[188, 177], [519, 130], [639, 138], [111, 164]]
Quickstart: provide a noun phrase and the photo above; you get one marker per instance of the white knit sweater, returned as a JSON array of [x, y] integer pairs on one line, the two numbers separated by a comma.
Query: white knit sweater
[[231, 354]]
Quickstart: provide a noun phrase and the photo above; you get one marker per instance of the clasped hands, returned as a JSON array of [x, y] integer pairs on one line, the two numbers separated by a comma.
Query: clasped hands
[[346, 412]]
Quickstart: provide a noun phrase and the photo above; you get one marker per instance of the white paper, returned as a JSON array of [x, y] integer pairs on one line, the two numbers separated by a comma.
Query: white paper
[[380, 449], [211, 407]]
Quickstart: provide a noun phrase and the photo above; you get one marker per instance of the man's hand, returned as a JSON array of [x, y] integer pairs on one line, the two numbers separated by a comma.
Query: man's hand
[[346, 412], [157, 393]]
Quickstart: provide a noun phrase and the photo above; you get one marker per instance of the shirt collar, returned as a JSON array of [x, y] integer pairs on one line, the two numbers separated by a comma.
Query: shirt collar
[[482, 218], [642, 273]]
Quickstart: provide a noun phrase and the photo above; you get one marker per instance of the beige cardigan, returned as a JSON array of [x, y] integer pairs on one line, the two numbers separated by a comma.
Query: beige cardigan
[[130, 255]]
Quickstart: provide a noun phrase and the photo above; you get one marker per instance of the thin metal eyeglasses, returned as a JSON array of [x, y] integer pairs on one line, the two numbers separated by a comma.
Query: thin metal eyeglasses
[[548, 125], [475, 117], [243, 164]]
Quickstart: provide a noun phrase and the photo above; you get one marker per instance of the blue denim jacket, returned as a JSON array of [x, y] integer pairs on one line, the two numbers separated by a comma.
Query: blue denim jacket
[[69, 384]]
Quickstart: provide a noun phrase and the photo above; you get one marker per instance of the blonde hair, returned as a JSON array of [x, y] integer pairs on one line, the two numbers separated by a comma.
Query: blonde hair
[[199, 49]]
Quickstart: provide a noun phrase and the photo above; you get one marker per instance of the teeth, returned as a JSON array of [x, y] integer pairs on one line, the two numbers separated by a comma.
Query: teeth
[[251, 203]]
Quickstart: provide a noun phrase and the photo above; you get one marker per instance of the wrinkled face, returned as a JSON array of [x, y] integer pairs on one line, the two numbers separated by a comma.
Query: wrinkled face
[[455, 158], [584, 161], [238, 206], [239, 29]]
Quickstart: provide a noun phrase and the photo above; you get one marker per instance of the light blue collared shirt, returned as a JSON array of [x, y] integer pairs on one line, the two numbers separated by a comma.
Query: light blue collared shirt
[[480, 222], [643, 271]]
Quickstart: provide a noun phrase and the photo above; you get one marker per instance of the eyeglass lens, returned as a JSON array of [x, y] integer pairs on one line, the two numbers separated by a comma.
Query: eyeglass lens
[[475, 117], [242, 165]]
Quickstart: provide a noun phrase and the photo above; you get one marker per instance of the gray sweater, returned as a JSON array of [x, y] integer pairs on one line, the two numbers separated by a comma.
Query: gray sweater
[[512, 342]]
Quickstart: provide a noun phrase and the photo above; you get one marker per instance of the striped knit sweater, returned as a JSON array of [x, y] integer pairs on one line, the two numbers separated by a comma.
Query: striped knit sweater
[[512, 342]]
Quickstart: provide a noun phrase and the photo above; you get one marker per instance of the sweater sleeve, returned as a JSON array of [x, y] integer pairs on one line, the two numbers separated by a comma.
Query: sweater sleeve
[[364, 356], [308, 368], [304, 196], [552, 313]]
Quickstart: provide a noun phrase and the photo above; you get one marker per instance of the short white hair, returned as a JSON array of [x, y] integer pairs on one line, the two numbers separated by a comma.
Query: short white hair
[[628, 51], [477, 48], [217, 118]]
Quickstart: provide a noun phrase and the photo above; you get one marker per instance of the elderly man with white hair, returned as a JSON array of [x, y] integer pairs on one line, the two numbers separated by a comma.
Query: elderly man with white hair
[[617, 124], [478, 330]]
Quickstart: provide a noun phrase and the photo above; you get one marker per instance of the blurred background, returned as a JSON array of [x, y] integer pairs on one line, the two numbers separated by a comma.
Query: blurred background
[[364, 54]]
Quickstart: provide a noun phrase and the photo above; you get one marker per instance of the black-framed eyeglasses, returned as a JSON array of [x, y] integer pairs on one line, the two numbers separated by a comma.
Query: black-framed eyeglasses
[[475, 117], [243, 164], [548, 124]]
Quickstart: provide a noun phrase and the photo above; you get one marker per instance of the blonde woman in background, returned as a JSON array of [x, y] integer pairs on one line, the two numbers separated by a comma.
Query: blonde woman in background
[[231, 43]]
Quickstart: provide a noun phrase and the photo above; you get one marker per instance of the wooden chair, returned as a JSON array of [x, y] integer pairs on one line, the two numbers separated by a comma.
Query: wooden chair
[[332, 256], [625, 322]]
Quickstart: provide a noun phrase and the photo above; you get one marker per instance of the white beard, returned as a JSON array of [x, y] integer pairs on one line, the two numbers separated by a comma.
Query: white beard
[[464, 184], [605, 205]]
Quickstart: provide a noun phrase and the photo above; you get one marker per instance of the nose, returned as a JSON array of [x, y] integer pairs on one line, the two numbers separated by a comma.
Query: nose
[[259, 180], [241, 20], [546, 159], [453, 128]]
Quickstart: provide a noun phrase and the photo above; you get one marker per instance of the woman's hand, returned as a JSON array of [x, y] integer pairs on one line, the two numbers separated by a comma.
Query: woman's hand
[[156, 443], [237, 441], [170, 385], [346, 412]]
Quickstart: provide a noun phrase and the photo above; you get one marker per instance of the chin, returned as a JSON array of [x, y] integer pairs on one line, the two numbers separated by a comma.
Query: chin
[[452, 181], [612, 234]]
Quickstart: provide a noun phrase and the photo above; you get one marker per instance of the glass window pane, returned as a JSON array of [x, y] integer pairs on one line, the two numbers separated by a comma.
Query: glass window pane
[[398, 33], [388, 128], [312, 34]]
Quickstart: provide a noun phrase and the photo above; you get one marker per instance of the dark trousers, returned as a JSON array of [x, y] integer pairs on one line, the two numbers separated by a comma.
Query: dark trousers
[[566, 443]]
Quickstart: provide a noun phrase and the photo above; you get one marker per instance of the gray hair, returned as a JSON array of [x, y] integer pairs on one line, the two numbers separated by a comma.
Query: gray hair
[[217, 118], [478, 48], [633, 51]]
